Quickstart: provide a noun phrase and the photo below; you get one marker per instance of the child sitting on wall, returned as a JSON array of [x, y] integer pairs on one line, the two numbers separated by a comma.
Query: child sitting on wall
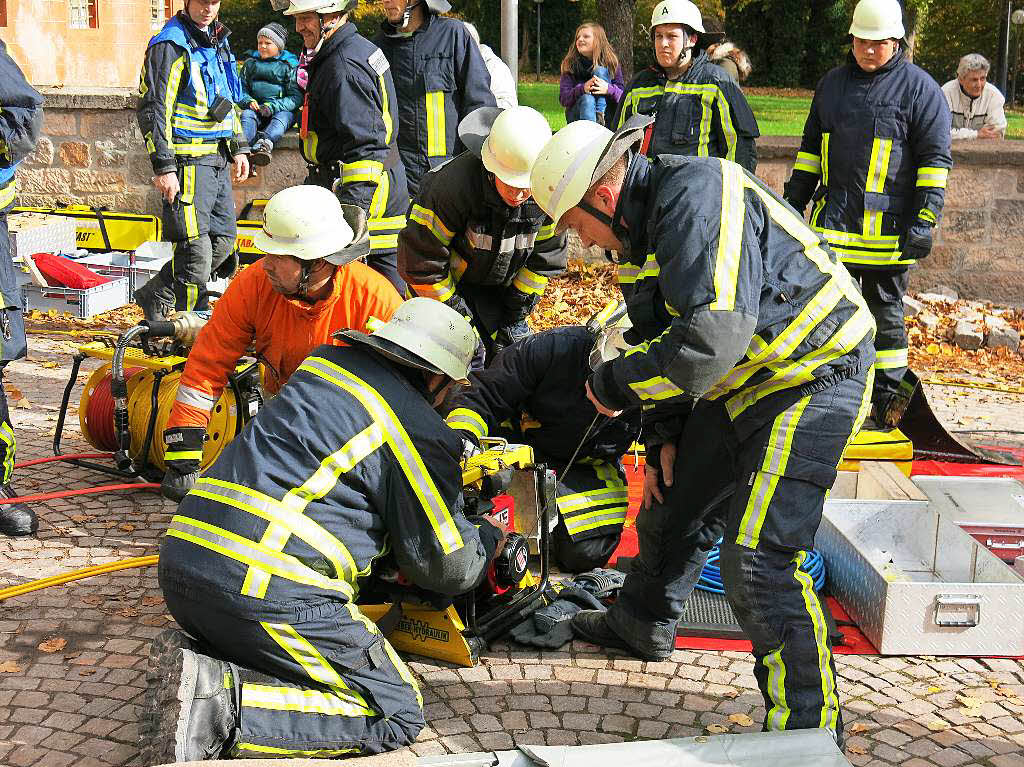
[[270, 93]]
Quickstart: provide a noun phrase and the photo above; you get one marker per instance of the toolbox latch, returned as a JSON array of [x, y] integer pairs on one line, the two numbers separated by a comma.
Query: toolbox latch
[[960, 610]]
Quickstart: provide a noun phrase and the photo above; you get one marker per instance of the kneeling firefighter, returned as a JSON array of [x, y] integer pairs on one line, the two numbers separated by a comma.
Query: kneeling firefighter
[[308, 285], [260, 564], [534, 394]]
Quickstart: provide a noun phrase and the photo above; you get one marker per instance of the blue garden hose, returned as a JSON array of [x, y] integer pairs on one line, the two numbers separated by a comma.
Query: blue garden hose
[[711, 577]]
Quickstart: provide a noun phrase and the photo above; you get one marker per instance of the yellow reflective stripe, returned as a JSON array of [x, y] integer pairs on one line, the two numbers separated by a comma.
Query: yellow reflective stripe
[[171, 95], [467, 420], [924, 214], [188, 208], [310, 144], [547, 232], [398, 440], [399, 664], [778, 714], [11, 443], [604, 518], [386, 223], [248, 552], [188, 184], [379, 201], [191, 295], [888, 359], [824, 157], [878, 170], [650, 267], [197, 148], [361, 170], [725, 114], [439, 291], [633, 100], [385, 110], [656, 388], [830, 710], [627, 274], [7, 193], [320, 752], [810, 163], [433, 222], [313, 663], [437, 144], [304, 701], [936, 177], [380, 242], [529, 282], [776, 457], [183, 455], [578, 501], [730, 237]]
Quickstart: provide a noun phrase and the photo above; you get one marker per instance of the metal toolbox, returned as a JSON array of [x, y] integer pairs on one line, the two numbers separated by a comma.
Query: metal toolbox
[[989, 509], [916, 584]]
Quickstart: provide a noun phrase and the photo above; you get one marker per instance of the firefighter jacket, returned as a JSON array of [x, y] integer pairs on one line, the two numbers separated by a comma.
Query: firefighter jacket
[[875, 156], [462, 234], [21, 118], [347, 461], [187, 71], [704, 113], [534, 394], [279, 330], [441, 77], [348, 130], [737, 299]]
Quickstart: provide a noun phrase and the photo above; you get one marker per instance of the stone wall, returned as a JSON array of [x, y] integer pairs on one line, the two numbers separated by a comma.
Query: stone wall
[[92, 153]]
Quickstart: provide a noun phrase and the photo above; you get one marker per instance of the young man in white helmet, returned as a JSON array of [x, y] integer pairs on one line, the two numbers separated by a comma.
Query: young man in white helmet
[[475, 239], [874, 159], [261, 563], [534, 394], [699, 109], [753, 375], [348, 126], [309, 284], [440, 76]]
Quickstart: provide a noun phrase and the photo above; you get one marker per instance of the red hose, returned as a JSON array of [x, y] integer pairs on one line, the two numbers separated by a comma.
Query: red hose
[[67, 457], [99, 413], [83, 491]]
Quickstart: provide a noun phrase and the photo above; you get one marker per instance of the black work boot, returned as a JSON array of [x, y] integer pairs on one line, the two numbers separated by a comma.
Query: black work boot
[[592, 626], [190, 712], [154, 309], [262, 153], [16, 518]]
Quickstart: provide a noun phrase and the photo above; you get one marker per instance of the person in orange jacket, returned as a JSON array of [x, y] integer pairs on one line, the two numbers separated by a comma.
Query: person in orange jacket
[[307, 286]]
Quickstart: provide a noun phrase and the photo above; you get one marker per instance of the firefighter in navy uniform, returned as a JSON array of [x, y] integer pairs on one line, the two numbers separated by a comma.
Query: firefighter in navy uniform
[[440, 76], [21, 117], [874, 159], [534, 394], [186, 113], [262, 560], [699, 109], [348, 126], [754, 373], [475, 239]]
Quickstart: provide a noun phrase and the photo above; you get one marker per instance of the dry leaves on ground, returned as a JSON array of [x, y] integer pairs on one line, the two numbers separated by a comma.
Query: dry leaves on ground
[[741, 719], [10, 667], [717, 729], [54, 644]]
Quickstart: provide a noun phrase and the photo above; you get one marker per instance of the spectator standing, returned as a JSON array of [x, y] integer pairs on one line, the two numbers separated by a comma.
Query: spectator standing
[[503, 85], [270, 92], [588, 90], [976, 104]]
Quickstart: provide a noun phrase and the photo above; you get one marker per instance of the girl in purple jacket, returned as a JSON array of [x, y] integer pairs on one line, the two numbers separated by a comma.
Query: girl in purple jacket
[[586, 89]]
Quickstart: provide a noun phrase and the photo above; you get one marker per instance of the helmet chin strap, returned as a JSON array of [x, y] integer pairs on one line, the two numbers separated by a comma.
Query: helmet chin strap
[[614, 222], [407, 13]]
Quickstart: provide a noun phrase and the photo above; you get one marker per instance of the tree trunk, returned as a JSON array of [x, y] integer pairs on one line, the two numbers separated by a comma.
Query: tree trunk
[[617, 18]]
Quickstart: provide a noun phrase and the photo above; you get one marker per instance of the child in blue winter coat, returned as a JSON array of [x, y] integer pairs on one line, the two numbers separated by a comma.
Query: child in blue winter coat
[[270, 93]]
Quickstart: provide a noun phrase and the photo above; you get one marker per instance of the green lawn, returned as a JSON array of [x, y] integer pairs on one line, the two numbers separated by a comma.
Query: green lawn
[[777, 115]]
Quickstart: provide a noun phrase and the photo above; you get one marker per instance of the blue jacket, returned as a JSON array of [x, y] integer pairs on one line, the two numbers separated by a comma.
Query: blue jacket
[[875, 157], [21, 117], [271, 82]]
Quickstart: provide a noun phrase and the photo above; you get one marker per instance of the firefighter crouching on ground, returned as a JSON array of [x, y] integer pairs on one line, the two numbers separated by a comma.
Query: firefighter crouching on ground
[[308, 285], [348, 126], [754, 374], [874, 159], [534, 394], [699, 109], [21, 117], [186, 112], [260, 564], [441, 77], [475, 240]]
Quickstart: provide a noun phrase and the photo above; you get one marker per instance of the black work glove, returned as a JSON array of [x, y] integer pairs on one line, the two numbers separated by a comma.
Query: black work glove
[[266, 112], [550, 626], [184, 449], [176, 485], [227, 268], [458, 303], [917, 242]]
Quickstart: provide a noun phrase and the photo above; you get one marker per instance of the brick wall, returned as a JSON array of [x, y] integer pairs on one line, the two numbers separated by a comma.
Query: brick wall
[[92, 153]]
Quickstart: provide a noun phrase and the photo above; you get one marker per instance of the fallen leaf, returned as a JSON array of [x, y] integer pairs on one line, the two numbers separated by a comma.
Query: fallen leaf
[[1005, 692], [82, 517], [128, 612], [86, 671], [716, 729], [859, 727], [860, 750], [49, 364], [937, 726], [150, 601], [22, 403], [741, 719], [53, 645], [126, 527], [969, 703], [933, 688], [10, 667], [72, 655], [729, 693]]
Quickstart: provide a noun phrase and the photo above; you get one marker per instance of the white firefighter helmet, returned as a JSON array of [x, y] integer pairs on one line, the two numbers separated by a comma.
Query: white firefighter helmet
[[677, 12], [877, 20], [309, 223], [424, 334], [295, 7], [609, 327], [513, 143]]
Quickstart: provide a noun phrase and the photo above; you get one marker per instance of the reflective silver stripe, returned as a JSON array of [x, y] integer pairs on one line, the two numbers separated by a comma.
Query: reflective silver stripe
[[479, 240], [567, 504], [581, 524], [188, 395], [483, 241], [306, 701]]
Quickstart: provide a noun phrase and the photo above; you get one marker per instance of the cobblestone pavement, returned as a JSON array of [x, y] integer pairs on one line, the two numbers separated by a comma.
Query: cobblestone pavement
[[72, 658]]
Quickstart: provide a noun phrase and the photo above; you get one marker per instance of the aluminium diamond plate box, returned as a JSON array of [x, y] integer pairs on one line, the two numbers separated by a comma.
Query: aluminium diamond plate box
[[916, 584]]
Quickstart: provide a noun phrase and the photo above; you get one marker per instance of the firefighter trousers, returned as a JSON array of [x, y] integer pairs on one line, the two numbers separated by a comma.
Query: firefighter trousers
[[762, 489], [13, 345], [201, 224], [323, 682], [883, 291], [8, 443], [592, 503]]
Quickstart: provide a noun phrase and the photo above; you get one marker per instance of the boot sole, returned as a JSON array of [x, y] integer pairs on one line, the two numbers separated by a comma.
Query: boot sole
[[260, 160], [171, 687]]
